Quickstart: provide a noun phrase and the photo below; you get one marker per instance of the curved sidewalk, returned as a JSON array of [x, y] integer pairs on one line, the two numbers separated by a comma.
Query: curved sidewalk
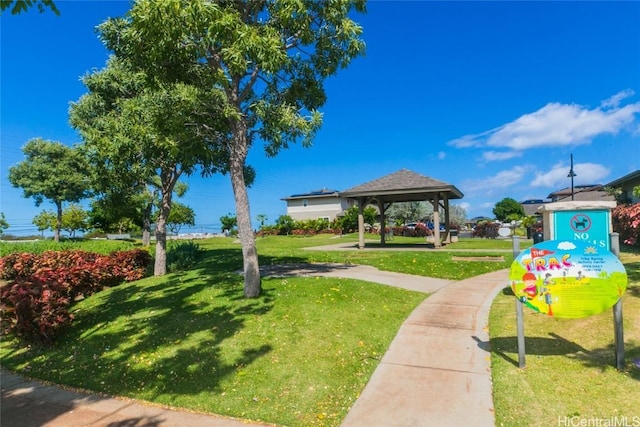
[[436, 371]]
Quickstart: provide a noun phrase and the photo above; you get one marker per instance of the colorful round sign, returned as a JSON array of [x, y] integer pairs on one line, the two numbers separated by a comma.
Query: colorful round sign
[[568, 279]]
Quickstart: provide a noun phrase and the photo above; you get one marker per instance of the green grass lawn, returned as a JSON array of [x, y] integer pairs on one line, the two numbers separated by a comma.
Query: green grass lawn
[[414, 257], [301, 353]]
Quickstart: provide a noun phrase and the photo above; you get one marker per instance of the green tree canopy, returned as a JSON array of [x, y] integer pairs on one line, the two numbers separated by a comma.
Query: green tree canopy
[[261, 218], [285, 224], [228, 222], [259, 68], [180, 215], [139, 140], [508, 208], [74, 218], [45, 220], [349, 222], [51, 171], [3, 223], [19, 6]]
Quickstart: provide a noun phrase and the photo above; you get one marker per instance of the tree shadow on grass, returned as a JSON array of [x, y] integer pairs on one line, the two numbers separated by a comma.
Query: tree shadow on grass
[[160, 339]]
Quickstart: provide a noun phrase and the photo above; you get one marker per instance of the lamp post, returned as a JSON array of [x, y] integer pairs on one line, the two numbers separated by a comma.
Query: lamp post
[[571, 175]]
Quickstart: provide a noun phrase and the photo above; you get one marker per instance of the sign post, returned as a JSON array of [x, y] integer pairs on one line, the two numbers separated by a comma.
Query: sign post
[[618, 330], [519, 313]]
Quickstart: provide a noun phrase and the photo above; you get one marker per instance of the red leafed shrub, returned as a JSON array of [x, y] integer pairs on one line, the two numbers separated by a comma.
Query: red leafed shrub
[[133, 264], [486, 229], [35, 309], [69, 259], [35, 304], [626, 221], [18, 265]]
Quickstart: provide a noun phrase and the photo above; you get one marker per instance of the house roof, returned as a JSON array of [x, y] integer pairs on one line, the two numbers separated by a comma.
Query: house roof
[[633, 176], [403, 186], [576, 189], [589, 193], [531, 206], [325, 192]]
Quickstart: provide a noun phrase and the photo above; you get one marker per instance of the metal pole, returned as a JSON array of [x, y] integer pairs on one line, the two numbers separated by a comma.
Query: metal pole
[[618, 329], [520, 326], [571, 175], [519, 312]]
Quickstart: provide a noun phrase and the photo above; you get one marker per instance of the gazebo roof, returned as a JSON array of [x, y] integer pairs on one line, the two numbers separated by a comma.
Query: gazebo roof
[[402, 186]]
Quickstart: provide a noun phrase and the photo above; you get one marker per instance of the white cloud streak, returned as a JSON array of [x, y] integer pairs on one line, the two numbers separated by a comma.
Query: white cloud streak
[[586, 173], [491, 156], [501, 180], [555, 125]]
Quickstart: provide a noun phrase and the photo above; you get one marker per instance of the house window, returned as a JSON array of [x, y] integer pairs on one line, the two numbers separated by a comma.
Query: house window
[[305, 202]]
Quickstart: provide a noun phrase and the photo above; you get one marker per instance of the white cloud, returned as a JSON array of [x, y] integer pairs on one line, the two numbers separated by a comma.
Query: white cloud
[[500, 180], [490, 156], [566, 246], [558, 124], [614, 101], [586, 173], [442, 155]]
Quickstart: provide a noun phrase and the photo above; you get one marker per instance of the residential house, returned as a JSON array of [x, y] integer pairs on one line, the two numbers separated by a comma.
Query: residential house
[[590, 193], [321, 204], [627, 184], [531, 206]]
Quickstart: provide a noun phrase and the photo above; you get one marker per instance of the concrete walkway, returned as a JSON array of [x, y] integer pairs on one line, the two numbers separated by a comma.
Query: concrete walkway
[[436, 371]]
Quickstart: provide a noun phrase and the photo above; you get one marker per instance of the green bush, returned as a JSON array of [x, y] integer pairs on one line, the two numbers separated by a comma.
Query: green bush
[[182, 255]]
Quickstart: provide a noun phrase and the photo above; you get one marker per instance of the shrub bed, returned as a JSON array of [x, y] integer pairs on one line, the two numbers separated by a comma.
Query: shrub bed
[[34, 304], [626, 221]]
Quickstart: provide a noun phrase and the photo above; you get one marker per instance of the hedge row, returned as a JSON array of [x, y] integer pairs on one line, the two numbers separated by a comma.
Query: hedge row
[[35, 304]]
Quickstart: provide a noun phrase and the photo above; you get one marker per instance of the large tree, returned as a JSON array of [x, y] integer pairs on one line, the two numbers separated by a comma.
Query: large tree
[[261, 67], [51, 171], [508, 209], [138, 138]]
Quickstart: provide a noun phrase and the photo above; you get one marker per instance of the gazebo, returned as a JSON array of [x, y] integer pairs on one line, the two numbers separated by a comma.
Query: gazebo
[[403, 186]]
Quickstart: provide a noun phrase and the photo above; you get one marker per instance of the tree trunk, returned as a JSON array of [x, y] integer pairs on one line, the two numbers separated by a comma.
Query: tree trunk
[[146, 225], [56, 232], [160, 266], [252, 285]]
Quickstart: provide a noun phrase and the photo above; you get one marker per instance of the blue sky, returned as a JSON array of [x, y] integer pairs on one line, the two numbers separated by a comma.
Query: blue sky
[[492, 97]]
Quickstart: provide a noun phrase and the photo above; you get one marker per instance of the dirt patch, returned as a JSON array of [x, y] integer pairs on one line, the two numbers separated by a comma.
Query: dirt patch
[[478, 258]]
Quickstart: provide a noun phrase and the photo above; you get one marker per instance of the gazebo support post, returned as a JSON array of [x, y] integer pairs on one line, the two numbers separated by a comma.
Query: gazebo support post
[[436, 221], [382, 207], [383, 223], [447, 232], [361, 203]]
